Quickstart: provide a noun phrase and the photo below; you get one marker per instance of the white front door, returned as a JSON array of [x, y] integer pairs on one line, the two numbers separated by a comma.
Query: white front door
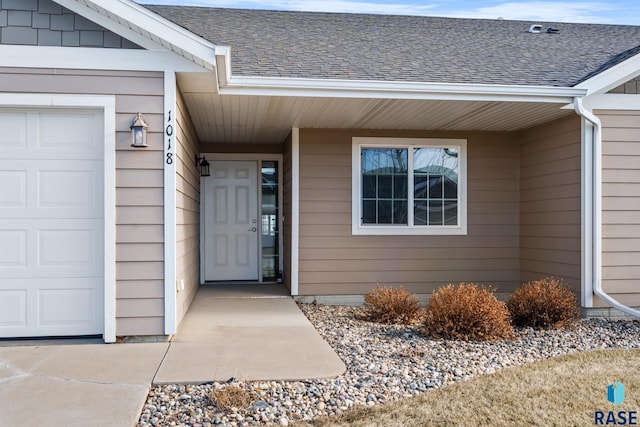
[[231, 221], [51, 222]]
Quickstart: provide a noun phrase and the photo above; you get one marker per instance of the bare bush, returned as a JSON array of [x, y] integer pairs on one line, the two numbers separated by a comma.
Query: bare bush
[[467, 312]]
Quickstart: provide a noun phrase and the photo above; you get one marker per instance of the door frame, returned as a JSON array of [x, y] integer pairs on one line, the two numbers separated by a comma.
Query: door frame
[[259, 158], [107, 105]]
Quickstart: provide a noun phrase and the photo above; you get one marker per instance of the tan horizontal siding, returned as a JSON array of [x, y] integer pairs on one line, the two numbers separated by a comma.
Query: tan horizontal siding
[[132, 326], [143, 307], [139, 179], [550, 208], [621, 205], [187, 210], [140, 270], [138, 289], [139, 196], [128, 252], [127, 233], [142, 177], [417, 242], [630, 299], [332, 261], [139, 214]]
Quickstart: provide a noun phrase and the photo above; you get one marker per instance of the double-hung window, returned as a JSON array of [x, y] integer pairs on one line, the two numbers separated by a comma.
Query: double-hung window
[[409, 186]]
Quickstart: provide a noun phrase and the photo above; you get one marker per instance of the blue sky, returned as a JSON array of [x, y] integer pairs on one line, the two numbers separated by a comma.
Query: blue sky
[[597, 11]]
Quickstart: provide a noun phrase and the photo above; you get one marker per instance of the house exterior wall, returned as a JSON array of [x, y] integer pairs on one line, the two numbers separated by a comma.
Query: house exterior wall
[[632, 87], [332, 261], [139, 183], [187, 211], [46, 23], [620, 205], [550, 210]]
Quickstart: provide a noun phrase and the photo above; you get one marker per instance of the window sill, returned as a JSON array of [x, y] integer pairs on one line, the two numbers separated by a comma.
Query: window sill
[[359, 230]]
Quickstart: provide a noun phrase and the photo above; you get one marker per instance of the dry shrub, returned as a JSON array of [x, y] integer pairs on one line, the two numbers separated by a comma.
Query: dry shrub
[[230, 397], [392, 305], [467, 312], [544, 303]]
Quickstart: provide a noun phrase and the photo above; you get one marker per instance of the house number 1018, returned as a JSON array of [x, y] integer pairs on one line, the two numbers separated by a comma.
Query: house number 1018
[[169, 132]]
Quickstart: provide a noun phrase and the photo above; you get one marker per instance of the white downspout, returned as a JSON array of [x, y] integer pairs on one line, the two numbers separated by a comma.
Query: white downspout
[[595, 208]]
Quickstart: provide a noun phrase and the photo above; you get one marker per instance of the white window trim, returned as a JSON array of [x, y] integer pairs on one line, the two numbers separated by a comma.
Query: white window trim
[[357, 228]]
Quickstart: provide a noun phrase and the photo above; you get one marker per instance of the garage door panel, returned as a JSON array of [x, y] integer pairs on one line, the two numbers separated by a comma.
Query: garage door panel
[[51, 134], [13, 188], [13, 249], [67, 189], [66, 307], [44, 189], [51, 307], [14, 130], [55, 135], [51, 248], [13, 308], [51, 223], [75, 249]]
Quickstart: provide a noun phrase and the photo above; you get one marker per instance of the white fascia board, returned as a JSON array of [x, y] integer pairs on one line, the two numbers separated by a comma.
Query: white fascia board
[[94, 58], [613, 77], [223, 64], [612, 101], [145, 28], [278, 86]]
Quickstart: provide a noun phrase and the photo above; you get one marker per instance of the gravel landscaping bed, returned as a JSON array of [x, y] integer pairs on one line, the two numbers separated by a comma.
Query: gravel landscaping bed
[[384, 363]]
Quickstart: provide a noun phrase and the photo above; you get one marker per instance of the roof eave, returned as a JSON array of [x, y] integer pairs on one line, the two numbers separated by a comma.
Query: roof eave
[[337, 88], [333, 88], [145, 28], [612, 77]]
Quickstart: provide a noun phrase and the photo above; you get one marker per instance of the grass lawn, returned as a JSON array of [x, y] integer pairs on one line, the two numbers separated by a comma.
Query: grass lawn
[[564, 391]]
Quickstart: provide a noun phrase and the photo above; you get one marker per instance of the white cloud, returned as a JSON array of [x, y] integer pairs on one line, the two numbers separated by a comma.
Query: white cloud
[[344, 6], [541, 11], [590, 11]]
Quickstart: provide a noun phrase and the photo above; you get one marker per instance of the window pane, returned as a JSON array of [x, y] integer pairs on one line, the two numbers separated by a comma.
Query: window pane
[[400, 186], [420, 186], [420, 212], [369, 212], [269, 220], [435, 186], [384, 160], [400, 212], [369, 186], [384, 185], [384, 212], [450, 188], [436, 200], [450, 212], [435, 212], [385, 189]]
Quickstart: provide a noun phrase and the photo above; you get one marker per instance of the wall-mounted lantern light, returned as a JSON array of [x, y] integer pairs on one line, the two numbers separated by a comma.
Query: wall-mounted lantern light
[[202, 163], [139, 132]]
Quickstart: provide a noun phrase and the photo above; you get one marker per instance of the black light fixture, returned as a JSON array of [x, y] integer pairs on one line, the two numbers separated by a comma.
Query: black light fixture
[[201, 162], [139, 132]]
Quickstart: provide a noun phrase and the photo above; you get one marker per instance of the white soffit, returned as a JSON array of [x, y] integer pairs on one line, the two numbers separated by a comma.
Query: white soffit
[[269, 119]]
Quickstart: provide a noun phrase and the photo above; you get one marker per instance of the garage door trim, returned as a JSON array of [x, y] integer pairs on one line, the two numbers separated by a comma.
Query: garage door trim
[[107, 105]]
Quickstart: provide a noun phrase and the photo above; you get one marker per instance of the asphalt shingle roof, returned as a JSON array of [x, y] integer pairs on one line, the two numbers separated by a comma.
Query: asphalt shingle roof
[[407, 48]]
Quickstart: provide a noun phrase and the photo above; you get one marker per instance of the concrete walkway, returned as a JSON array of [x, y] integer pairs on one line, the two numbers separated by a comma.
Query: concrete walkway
[[247, 332]]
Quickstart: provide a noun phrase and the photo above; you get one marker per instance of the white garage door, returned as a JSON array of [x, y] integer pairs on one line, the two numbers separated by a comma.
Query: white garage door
[[51, 222]]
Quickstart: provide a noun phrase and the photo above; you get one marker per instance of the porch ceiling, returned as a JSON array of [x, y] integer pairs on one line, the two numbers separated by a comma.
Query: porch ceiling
[[269, 119]]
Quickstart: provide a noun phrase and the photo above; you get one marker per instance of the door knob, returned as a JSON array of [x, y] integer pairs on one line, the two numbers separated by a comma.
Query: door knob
[[254, 229]]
